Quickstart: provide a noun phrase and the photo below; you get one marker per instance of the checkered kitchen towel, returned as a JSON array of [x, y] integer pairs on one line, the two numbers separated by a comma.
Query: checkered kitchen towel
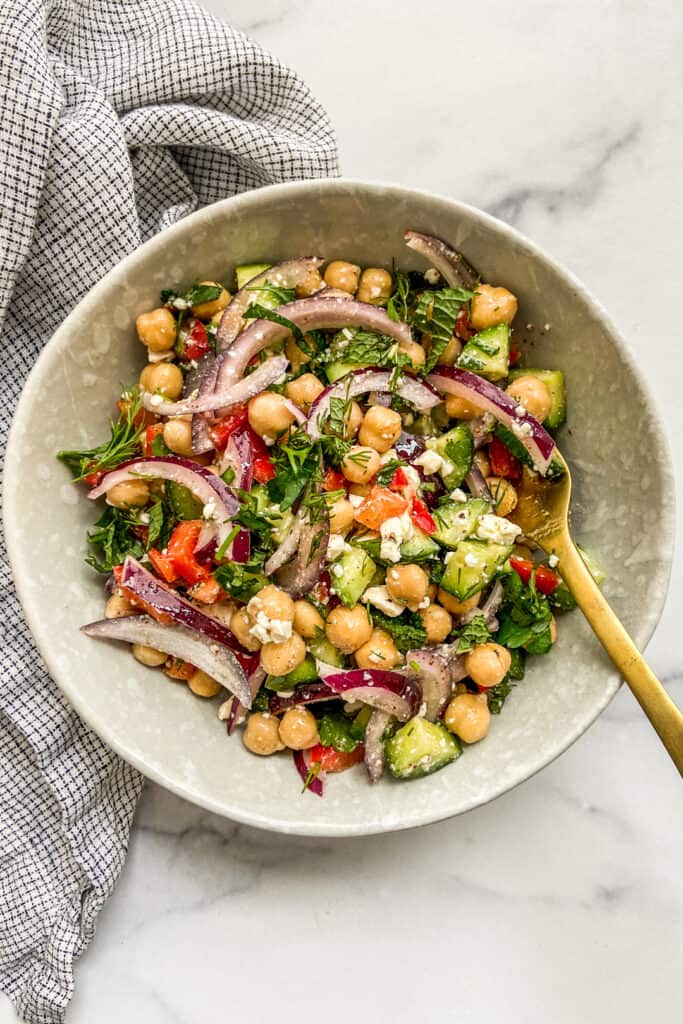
[[117, 117]]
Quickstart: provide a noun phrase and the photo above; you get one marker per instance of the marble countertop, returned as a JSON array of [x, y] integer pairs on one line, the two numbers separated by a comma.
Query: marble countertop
[[562, 900]]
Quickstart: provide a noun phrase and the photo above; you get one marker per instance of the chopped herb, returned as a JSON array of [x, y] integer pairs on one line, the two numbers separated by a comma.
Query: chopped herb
[[435, 314], [475, 632], [273, 293], [386, 473], [123, 444], [525, 616], [114, 537], [497, 695], [398, 304], [406, 630], [256, 311], [161, 522], [242, 580], [198, 294], [342, 733]]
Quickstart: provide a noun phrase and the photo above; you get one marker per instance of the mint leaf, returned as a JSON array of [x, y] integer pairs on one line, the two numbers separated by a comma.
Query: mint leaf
[[198, 294], [342, 733], [112, 539], [474, 633], [406, 630], [435, 314]]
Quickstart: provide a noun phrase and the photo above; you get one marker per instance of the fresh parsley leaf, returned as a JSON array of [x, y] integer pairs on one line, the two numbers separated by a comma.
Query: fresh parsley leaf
[[261, 701], [435, 314], [497, 695], [342, 733], [161, 523], [475, 632], [113, 539], [406, 630], [399, 303], [517, 664], [525, 616], [257, 311], [386, 473], [123, 444], [198, 294], [272, 295], [296, 463], [242, 580]]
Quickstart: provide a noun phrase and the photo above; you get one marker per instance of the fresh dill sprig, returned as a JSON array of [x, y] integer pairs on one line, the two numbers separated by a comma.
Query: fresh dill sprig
[[123, 444]]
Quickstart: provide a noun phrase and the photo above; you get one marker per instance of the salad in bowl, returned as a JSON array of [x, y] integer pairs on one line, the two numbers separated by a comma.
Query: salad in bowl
[[308, 507]]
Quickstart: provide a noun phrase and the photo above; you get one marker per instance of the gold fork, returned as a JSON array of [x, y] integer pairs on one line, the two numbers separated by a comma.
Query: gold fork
[[542, 513]]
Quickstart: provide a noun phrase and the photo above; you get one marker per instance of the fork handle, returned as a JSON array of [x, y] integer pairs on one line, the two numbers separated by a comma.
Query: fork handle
[[664, 716]]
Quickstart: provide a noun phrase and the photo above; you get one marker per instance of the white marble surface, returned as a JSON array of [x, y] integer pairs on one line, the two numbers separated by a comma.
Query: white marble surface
[[561, 901]]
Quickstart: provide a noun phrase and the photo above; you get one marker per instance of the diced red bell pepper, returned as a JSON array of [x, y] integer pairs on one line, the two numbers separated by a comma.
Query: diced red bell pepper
[[515, 356], [163, 565], [503, 462], [152, 432], [196, 342], [380, 504], [181, 551], [398, 480], [220, 431], [546, 579], [331, 760], [421, 516], [93, 479], [207, 591], [335, 481], [264, 470]]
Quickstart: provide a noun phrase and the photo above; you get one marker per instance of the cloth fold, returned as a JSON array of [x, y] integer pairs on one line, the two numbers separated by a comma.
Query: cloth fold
[[116, 119]]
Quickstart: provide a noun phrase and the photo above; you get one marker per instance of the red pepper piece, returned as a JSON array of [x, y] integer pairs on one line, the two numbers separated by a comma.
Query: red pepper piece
[[335, 481], [398, 480], [220, 431], [546, 579], [181, 551], [421, 516], [332, 760], [503, 462], [196, 341]]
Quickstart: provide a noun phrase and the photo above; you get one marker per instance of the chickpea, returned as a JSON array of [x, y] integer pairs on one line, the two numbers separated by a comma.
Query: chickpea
[[307, 620], [360, 464], [149, 656], [381, 428], [165, 378], [488, 664], [482, 462], [240, 624], [341, 516], [461, 409], [298, 729], [468, 716], [312, 284], [296, 355], [280, 659], [437, 622], [408, 584], [376, 285], [458, 607], [128, 494], [378, 652], [414, 351], [503, 494], [205, 310], [203, 685], [431, 592], [342, 275], [450, 353], [261, 735], [532, 394], [117, 606], [348, 628], [304, 390], [222, 611], [178, 436], [273, 602], [268, 415], [491, 306], [156, 329]]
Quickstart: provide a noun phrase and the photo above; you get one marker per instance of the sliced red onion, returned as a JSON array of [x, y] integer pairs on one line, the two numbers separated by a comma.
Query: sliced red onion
[[213, 658], [374, 748], [309, 693], [452, 265], [485, 395], [397, 694], [476, 481], [455, 661], [223, 397], [315, 313], [238, 712], [207, 543], [296, 412], [199, 380], [489, 609], [286, 550], [288, 274], [239, 457], [358, 382], [431, 671], [302, 763], [299, 576]]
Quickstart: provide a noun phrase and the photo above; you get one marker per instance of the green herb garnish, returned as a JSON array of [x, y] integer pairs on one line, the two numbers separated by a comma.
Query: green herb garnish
[[123, 444]]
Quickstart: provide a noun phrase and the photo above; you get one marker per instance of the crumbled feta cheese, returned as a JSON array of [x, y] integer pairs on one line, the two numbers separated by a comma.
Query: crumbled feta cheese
[[497, 529], [269, 631], [209, 510], [424, 603], [520, 429], [337, 571], [394, 532], [179, 303], [144, 518], [160, 357], [432, 275], [457, 495], [446, 468], [224, 709], [520, 410], [356, 499], [448, 556], [553, 561], [430, 461], [412, 476], [380, 598], [336, 546], [156, 400], [471, 561]]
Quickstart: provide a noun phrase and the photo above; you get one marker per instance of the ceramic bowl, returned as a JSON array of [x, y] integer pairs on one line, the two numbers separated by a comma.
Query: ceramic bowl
[[614, 441]]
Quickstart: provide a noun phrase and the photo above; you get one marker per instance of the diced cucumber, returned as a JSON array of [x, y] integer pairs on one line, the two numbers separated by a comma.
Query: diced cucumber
[[281, 522], [458, 447], [184, 503], [555, 469], [457, 520], [417, 549], [472, 565], [337, 369], [306, 672], [247, 271], [351, 575], [488, 353], [554, 381], [420, 748], [321, 648]]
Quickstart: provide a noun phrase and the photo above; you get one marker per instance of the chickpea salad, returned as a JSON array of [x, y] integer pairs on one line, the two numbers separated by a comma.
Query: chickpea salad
[[308, 508]]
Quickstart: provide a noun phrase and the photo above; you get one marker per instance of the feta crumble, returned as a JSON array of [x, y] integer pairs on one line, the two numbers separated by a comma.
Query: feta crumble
[[394, 532], [553, 561], [457, 495], [430, 461], [471, 561], [269, 631], [380, 598], [497, 529], [336, 547], [432, 275], [209, 510], [356, 499]]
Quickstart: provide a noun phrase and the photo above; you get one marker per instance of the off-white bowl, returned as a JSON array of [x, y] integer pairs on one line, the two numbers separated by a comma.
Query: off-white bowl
[[623, 510]]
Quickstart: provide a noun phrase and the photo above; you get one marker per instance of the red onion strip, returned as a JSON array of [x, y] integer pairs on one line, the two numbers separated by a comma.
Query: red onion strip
[[452, 265], [302, 763], [223, 397], [432, 672], [374, 748], [397, 694]]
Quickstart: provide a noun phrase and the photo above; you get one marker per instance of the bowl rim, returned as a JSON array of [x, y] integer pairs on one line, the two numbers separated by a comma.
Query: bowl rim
[[244, 201]]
